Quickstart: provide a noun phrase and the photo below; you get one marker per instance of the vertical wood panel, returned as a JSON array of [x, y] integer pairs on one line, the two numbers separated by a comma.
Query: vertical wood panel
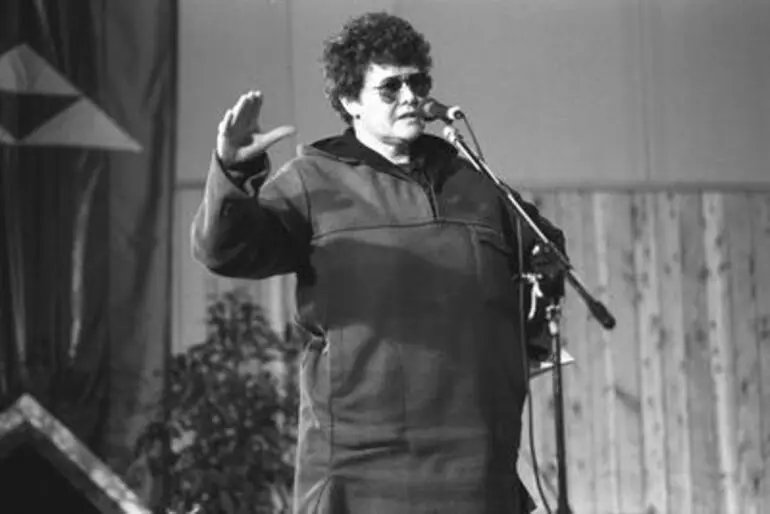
[[701, 400], [577, 221], [760, 214], [674, 355], [650, 339], [720, 337], [623, 354], [743, 340], [594, 347], [606, 440]]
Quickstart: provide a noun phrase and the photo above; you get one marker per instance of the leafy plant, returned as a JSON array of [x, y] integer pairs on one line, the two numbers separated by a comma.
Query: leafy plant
[[231, 405]]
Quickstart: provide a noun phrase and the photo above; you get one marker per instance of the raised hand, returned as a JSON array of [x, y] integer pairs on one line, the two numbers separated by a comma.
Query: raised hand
[[239, 137]]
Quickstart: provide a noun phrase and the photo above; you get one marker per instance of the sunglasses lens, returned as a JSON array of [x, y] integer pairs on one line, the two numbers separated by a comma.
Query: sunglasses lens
[[390, 89], [419, 83]]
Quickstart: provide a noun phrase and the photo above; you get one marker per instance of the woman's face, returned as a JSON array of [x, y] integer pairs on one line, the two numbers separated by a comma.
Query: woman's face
[[387, 108]]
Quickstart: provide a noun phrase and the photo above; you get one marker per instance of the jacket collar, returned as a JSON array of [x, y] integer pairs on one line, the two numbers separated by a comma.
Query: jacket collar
[[430, 154]]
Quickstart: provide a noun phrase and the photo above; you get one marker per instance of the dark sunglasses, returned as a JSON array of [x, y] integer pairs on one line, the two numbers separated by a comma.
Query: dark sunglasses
[[390, 88]]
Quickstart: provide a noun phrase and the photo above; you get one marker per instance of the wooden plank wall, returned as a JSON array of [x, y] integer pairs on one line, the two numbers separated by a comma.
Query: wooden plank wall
[[670, 411]]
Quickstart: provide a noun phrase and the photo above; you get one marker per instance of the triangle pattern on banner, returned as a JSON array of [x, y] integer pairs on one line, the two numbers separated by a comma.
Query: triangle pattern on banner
[[5, 137], [24, 71], [83, 124], [27, 75], [20, 114]]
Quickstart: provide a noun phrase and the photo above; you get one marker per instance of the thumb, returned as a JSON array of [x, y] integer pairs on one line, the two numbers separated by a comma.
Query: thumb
[[273, 136], [262, 142]]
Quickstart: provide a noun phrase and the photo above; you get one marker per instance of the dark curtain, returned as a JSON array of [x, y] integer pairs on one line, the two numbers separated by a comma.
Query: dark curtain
[[87, 117]]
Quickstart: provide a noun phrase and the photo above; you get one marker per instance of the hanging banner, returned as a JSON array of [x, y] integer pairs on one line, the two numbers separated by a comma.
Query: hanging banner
[[87, 121]]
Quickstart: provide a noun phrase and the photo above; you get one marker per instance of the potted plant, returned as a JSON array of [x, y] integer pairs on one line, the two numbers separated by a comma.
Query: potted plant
[[226, 443]]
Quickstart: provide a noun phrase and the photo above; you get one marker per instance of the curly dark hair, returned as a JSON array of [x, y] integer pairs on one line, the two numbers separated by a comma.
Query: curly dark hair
[[372, 38]]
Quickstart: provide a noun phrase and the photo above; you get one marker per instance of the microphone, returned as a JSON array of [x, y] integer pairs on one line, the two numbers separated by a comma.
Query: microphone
[[432, 109]]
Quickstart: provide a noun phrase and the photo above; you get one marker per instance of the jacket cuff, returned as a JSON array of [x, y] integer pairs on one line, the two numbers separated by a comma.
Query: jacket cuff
[[241, 172]]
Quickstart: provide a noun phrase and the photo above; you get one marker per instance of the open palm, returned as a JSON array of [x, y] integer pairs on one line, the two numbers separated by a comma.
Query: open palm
[[240, 138]]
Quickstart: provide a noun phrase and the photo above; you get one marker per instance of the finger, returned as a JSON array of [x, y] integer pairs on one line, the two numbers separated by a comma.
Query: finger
[[278, 133], [226, 122], [247, 112], [251, 110], [239, 108], [239, 105]]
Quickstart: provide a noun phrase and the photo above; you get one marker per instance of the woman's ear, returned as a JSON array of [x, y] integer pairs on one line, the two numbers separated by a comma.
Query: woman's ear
[[353, 107]]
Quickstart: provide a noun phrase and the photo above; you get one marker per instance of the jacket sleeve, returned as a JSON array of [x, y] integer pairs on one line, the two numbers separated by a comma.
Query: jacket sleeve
[[543, 264], [252, 223]]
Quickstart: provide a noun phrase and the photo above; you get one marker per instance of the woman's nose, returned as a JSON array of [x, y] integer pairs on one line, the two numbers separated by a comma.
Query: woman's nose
[[406, 94]]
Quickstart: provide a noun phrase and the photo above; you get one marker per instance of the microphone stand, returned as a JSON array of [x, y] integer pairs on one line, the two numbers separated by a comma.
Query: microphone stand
[[553, 310]]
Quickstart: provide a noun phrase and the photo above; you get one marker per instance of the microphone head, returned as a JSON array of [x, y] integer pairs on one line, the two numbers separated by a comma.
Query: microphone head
[[431, 109], [455, 113]]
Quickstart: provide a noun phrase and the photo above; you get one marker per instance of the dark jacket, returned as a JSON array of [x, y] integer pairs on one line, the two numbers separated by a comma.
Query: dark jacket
[[413, 377]]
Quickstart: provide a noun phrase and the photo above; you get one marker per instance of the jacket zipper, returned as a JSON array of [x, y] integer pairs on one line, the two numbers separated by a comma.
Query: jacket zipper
[[431, 199], [424, 182]]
